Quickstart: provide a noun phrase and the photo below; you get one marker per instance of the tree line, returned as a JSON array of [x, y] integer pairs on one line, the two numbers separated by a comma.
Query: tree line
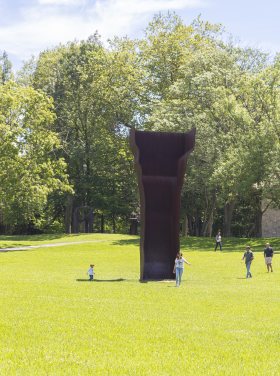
[[65, 118]]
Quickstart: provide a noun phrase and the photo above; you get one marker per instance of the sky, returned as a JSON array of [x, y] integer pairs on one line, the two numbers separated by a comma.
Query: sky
[[30, 26]]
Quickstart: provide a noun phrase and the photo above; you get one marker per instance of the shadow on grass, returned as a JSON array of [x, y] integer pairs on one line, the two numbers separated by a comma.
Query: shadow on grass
[[229, 244], [14, 245], [126, 242], [157, 280], [19, 249], [34, 238], [31, 238], [101, 280], [202, 244]]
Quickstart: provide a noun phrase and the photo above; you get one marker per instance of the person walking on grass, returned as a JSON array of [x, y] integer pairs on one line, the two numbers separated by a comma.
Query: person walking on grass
[[179, 267], [248, 257], [268, 254], [91, 272], [218, 241]]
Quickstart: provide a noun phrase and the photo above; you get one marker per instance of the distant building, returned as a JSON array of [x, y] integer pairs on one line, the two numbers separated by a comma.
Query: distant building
[[271, 223]]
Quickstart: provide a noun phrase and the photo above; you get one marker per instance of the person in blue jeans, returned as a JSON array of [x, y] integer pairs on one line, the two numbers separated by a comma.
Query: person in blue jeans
[[179, 268], [248, 257]]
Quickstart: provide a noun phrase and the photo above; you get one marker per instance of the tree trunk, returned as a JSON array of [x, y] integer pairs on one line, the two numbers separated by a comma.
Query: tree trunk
[[190, 226], [114, 223], [209, 217], [228, 212], [197, 224], [207, 231], [102, 224], [68, 214], [258, 226], [258, 218], [186, 226]]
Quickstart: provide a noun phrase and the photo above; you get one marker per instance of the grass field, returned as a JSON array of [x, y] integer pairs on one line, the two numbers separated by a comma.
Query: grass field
[[54, 322]]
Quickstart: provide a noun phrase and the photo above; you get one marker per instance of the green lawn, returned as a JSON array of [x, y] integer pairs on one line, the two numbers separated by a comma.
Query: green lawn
[[54, 322]]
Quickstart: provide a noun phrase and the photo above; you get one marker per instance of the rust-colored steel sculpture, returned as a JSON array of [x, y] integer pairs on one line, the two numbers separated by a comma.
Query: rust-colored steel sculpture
[[160, 161]]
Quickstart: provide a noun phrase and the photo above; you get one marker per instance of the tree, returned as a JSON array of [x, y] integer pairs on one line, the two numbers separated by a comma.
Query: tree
[[29, 166], [95, 93], [228, 94], [175, 78], [5, 68]]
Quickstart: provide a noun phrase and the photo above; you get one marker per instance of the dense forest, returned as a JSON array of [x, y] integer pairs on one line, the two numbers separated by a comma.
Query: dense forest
[[65, 119]]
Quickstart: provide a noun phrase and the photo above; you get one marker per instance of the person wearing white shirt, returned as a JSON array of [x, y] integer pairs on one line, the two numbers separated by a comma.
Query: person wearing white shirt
[[179, 268], [91, 272], [218, 241]]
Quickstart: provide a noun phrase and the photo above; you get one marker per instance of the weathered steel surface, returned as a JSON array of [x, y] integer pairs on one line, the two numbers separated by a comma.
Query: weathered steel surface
[[160, 162]]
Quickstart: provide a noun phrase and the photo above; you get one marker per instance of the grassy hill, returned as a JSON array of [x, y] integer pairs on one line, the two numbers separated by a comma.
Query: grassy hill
[[54, 322]]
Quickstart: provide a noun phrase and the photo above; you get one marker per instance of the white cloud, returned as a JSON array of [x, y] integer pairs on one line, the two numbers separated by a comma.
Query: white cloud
[[50, 22], [124, 16], [144, 6], [60, 2]]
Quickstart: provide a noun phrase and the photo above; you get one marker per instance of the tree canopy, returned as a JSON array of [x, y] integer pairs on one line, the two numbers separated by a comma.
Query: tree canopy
[[65, 125]]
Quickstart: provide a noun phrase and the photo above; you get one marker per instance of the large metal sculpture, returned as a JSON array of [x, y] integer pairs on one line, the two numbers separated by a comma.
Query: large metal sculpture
[[160, 161]]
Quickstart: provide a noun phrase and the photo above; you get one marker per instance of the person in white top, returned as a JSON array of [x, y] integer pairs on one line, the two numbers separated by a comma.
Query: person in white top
[[218, 241], [179, 268], [91, 272]]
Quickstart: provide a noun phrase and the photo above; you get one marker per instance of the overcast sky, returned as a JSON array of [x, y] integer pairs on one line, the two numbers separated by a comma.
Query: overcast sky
[[30, 26]]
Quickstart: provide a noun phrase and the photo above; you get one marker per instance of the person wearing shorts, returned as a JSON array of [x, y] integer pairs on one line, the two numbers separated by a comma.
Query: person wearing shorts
[[268, 254]]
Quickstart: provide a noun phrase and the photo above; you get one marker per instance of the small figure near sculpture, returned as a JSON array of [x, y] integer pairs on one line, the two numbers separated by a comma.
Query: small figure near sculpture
[[179, 268]]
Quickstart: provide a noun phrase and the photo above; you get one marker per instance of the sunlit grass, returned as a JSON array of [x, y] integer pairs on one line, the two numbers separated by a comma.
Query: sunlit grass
[[54, 322]]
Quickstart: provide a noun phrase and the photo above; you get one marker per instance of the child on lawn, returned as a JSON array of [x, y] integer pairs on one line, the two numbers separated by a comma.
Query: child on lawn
[[91, 272]]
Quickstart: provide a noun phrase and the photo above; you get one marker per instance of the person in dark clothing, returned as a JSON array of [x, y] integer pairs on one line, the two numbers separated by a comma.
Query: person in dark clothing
[[249, 257], [268, 254]]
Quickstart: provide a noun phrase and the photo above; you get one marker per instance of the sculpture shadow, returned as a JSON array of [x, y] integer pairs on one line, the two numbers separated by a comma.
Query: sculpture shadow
[[101, 280]]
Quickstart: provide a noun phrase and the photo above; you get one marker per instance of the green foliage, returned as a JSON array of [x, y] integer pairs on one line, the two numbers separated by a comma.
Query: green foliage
[[95, 93], [175, 78], [29, 167], [5, 68], [235, 109]]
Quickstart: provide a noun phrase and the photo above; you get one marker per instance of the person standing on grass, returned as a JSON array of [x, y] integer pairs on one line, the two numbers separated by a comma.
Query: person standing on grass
[[268, 254], [249, 257], [179, 268], [91, 272], [218, 241]]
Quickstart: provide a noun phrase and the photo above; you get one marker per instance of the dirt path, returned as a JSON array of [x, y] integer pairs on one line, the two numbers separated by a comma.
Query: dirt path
[[27, 247]]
